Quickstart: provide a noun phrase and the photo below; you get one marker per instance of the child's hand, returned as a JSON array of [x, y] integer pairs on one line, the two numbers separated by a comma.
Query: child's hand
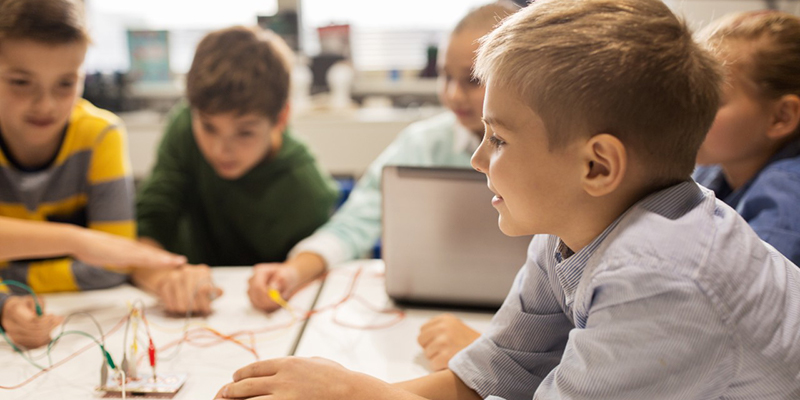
[[189, 287], [442, 337], [282, 277], [23, 326], [99, 248], [295, 378]]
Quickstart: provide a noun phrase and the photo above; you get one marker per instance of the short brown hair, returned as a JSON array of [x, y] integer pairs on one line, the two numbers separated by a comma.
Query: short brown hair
[[625, 67], [240, 69], [767, 49], [47, 21]]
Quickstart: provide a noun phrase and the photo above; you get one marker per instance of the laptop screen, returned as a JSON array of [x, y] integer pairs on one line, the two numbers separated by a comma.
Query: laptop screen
[[441, 242]]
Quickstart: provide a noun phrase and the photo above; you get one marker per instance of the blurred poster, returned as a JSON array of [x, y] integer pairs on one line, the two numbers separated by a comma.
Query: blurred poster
[[149, 52], [285, 25]]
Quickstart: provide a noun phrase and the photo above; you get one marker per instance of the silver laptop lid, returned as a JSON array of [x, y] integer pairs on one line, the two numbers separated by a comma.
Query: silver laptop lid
[[441, 243]]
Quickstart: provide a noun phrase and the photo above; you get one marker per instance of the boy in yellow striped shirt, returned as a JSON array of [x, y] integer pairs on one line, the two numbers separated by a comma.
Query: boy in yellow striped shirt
[[63, 168]]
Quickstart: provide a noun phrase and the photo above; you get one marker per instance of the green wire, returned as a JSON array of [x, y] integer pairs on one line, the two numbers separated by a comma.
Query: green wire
[[105, 353], [38, 312], [28, 289], [50, 345], [18, 350]]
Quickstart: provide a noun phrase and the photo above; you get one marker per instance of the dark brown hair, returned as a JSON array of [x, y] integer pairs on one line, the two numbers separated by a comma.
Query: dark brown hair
[[239, 69], [47, 21]]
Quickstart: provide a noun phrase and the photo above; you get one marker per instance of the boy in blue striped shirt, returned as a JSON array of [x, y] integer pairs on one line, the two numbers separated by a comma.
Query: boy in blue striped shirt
[[639, 283]]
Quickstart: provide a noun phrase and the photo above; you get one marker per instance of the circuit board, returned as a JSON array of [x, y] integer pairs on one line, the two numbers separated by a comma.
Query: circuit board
[[165, 386]]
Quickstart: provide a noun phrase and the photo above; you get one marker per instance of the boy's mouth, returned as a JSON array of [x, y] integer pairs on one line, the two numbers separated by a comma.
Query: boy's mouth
[[463, 113], [497, 199], [227, 166], [40, 122]]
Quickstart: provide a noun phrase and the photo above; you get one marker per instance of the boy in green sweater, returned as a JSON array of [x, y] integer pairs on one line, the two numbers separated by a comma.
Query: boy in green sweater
[[231, 186]]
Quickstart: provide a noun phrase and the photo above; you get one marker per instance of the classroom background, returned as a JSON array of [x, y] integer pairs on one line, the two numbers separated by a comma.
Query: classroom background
[[385, 55], [364, 71]]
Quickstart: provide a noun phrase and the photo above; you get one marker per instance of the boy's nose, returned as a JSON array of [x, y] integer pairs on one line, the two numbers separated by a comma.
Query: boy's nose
[[479, 161], [455, 92], [43, 102], [220, 147]]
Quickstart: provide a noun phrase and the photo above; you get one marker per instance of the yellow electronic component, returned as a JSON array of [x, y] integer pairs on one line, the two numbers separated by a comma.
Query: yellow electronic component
[[275, 295]]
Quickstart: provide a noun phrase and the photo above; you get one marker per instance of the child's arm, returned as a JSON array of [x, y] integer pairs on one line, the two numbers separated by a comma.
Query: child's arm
[[648, 335], [317, 378], [21, 239], [110, 204], [442, 385]]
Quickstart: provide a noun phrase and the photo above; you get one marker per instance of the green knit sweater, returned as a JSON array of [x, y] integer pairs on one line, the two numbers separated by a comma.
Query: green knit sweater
[[190, 210]]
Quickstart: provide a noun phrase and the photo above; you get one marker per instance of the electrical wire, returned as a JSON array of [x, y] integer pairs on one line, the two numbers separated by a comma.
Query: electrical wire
[[206, 336], [64, 361], [27, 288], [64, 325], [18, 350]]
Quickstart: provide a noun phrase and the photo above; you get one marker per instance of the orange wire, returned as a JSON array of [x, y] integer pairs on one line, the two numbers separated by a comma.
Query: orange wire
[[194, 335]]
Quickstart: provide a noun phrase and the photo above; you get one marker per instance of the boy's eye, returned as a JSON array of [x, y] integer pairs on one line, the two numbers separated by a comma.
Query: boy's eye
[[209, 129], [496, 142], [246, 134], [18, 82], [67, 84]]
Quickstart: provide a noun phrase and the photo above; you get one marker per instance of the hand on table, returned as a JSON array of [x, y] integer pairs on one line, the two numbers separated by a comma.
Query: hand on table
[[23, 326], [442, 337], [282, 277], [186, 288], [296, 378]]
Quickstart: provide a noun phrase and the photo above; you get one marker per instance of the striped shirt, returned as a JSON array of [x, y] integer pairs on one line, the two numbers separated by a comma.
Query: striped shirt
[[88, 183], [768, 201], [677, 299]]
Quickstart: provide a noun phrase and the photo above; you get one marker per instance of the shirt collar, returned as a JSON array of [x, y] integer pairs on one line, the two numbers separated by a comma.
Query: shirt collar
[[672, 203], [464, 141]]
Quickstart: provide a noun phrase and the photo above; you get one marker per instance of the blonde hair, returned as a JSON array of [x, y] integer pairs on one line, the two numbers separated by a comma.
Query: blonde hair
[[768, 51], [46, 21], [629, 68], [240, 69], [487, 16]]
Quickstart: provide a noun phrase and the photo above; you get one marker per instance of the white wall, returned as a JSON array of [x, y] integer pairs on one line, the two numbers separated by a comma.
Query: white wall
[[700, 12]]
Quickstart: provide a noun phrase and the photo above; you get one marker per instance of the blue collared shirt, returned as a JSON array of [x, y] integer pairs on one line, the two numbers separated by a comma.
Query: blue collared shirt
[[769, 202], [677, 299]]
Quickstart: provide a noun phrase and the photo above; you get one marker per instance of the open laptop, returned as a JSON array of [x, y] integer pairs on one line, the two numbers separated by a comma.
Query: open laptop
[[441, 243]]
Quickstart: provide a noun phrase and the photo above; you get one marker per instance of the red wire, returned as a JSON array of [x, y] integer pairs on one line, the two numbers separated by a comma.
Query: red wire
[[195, 335]]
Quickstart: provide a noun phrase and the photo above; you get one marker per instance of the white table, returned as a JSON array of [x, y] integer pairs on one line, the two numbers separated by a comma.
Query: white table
[[392, 353], [208, 367]]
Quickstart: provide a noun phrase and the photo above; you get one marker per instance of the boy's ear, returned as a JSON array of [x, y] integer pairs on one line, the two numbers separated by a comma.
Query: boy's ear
[[283, 117], [785, 118], [605, 164]]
